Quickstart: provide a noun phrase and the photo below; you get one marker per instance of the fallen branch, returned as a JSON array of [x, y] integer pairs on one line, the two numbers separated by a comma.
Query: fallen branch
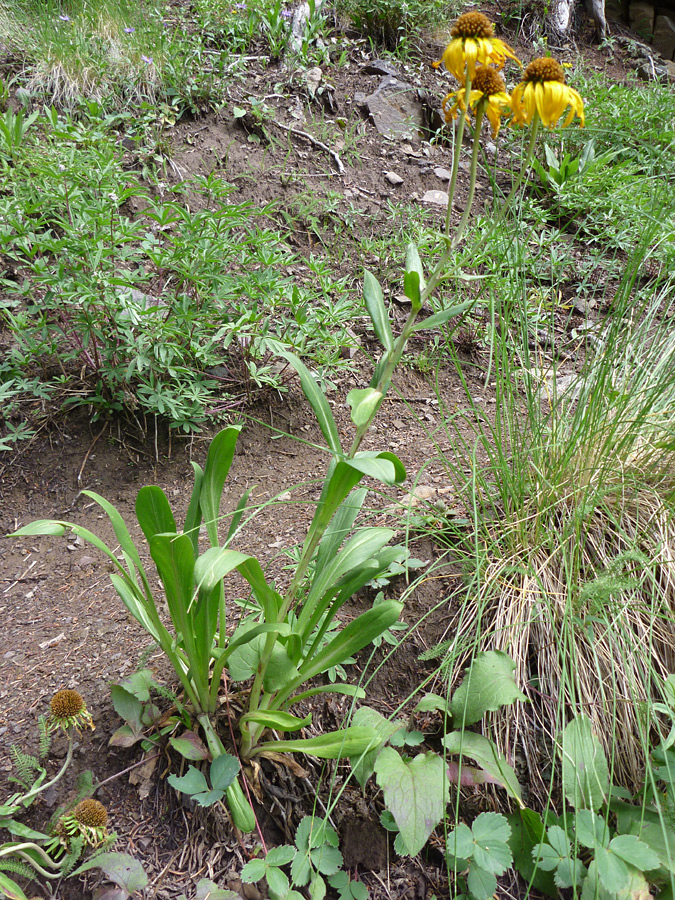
[[316, 143]]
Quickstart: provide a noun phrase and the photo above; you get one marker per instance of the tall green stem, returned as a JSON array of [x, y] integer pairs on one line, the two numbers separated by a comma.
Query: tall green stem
[[459, 137]]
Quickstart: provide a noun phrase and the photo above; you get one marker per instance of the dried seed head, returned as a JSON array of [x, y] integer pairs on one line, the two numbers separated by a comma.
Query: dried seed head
[[544, 69], [488, 81], [66, 704], [472, 25], [91, 813]]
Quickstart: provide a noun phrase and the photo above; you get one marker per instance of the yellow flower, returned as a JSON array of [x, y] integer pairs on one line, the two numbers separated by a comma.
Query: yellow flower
[[543, 90], [473, 42], [488, 89]]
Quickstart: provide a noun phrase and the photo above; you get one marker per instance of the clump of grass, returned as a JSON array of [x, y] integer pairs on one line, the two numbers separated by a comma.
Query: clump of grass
[[572, 500], [85, 49]]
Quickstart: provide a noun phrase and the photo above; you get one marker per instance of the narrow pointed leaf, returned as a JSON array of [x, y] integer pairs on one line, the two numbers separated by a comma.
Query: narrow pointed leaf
[[218, 462], [281, 721], [372, 294], [442, 317], [347, 742], [153, 511]]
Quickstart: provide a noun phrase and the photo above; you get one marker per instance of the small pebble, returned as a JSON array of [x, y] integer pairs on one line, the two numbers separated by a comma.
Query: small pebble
[[393, 178]]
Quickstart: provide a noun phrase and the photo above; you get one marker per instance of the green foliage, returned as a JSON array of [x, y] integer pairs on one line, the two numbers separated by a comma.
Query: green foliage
[[391, 22], [482, 852], [416, 791], [314, 856]]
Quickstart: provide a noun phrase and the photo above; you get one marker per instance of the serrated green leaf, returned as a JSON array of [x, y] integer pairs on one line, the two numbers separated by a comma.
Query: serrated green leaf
[[253, 871], [591, 830], [491, 826], [280, 856], [491, 832], [416, 792], [570, 873], [482, 885], [612, 870], [277, 881], [585, 774], [223, 771], [487, 686], [459, 843], [190, 746], [193, 782], [633, 851]]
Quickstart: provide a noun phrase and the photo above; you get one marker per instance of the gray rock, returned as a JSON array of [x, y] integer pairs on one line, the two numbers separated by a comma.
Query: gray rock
[[393, 178], [442, 173], [395, 110], [379, 67], [439, 198]]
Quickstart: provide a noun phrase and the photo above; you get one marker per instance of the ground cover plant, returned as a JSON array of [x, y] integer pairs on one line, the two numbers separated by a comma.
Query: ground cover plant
[[123, 293]]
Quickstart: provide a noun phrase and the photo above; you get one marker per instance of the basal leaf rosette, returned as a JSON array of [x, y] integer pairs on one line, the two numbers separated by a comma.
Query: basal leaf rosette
[[473, 42], [488, 95], [543, 92]]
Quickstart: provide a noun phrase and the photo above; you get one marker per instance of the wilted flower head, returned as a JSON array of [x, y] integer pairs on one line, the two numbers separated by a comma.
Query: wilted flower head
[[487, 89], [543, 90], [88, 820], [68, 709], [91, 813], [473, 41]]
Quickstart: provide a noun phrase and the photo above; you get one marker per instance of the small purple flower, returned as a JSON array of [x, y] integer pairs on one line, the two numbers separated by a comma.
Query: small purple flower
[[65, 18], [129, 30], [286, 13], [240, 6], [147, 59]]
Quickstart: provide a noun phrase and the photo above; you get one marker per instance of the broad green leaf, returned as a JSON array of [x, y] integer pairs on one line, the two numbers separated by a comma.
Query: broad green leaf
[[459, 843], [10, 888], [193, 782], [277, 881], [18, 829], [153, 512], [124, 870], [591, 830], [364, 766], [119, 527], [415, 791], [657, 836], [190, 746], [223, 771], [442, 317], [125, 736], [482, 885], [314, 394], [281, 721], [173, 556], [340, 526], [363, 403], [432, 703], [253, 871], [140, 684], [570, 873], [413, 281], [280, 856], [280, 671], [491, 833], [487, 686], [208, 890], [346, 742], [527, 832], [127, 707], [612, 870], [218, 461], [372, 294], [483, 751], [633, 851], [383, 466], [214, 564], [585, 775]]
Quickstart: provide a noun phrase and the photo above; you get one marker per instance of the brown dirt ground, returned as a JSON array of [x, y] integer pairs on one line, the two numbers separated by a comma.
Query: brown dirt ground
[[63, 626]]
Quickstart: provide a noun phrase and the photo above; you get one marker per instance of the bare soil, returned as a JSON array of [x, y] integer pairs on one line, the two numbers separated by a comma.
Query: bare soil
[[63, 625]]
